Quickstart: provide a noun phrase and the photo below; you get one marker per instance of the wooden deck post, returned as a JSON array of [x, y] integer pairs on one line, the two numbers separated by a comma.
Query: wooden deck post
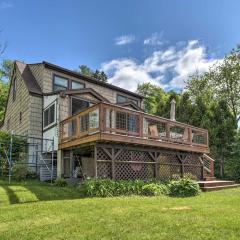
[[113, 164], [95, 161], [59, 163], [190, 135], [157, 175], [71, 163]]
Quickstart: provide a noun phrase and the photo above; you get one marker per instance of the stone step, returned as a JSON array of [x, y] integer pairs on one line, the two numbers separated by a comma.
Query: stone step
[[215, 183], [209, 178], [216, 188]]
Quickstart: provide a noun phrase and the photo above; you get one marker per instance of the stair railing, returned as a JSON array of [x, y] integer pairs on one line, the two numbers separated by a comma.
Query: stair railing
[[208, 165]]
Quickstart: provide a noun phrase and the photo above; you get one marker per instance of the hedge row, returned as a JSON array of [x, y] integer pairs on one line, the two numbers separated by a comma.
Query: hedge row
[[184, 187]]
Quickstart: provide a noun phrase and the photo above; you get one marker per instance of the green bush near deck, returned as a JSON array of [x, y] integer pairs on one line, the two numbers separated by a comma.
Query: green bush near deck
[[184, 187], [110, 188], [20, 171], [60, 182]]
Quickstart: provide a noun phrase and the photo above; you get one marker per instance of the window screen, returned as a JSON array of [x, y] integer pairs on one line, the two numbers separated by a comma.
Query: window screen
[[60, 83], [49, 115], [77, 85]]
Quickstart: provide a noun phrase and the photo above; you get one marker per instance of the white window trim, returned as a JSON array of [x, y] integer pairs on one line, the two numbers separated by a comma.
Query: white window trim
[[55, 120]]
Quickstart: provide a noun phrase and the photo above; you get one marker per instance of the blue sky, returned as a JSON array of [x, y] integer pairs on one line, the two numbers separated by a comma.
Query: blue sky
[[162, 42]]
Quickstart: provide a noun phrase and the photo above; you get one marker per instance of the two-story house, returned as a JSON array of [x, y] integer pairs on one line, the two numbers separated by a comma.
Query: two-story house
[[100, 130]]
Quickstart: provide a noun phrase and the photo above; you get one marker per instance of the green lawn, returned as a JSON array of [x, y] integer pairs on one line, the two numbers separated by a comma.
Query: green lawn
[[33, 210]]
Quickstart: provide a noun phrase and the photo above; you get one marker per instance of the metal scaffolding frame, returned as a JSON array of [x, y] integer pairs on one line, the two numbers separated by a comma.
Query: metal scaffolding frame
[[39, 153]]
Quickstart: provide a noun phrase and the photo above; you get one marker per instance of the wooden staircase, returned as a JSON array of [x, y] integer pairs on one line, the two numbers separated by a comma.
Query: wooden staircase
[[209, 182], [215, 185]]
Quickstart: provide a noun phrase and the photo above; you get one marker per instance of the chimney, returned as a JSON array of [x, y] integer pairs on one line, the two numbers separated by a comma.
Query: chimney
[[173, 110]]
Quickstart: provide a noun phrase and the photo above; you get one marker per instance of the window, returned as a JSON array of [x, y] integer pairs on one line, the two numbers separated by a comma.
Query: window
[[77, 85], [121, 99], [60, 83], [78, 105], [49, 116], [14, 88]]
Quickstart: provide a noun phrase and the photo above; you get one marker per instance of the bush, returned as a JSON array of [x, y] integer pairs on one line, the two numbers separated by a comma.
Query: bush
[[128, 187], [20, 171], [154, 189], [60, 182], [31, 175], [110, 188], [98, 188], [184, 187]]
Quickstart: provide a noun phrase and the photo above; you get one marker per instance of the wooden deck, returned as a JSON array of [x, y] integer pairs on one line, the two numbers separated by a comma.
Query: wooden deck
[[105, 122]]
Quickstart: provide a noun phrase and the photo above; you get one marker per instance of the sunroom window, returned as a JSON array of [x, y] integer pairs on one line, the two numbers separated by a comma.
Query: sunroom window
[[121, 99], [77, 85], [49, 116], [60, 83]]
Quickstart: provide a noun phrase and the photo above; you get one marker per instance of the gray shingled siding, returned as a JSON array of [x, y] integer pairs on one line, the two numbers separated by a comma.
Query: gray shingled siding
[[64, 107], [21, 104], [37, 71], [35, 116]]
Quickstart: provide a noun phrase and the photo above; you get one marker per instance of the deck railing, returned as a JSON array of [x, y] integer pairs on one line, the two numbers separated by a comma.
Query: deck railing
[[113, 119]]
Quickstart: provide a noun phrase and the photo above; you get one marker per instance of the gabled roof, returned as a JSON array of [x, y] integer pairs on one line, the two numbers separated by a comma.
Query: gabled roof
[[28, 78], [89, 79], [131, 104], [83, 91]]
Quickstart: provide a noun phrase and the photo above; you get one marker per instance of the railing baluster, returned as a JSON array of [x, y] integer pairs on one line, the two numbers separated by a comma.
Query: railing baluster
[[190, 135], [168, 131]]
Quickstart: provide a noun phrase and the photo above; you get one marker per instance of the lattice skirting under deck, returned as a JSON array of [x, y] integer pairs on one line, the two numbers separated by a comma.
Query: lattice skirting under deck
[[123, 163]]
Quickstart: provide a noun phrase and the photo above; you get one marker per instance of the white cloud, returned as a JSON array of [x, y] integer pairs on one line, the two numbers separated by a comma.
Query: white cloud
[[4, 5], [179, 63], [125, 39], [154, 40]]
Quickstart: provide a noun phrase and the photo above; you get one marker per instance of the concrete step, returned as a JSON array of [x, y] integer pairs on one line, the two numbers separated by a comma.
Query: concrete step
[[209, 178], [215, 183], [216, 188]]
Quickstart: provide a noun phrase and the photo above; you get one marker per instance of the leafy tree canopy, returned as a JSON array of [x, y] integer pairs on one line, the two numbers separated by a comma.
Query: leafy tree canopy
[[5, 74], [100, 75]]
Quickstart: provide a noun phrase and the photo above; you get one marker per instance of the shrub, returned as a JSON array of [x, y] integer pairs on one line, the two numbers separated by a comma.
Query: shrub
[[184, 187], [110, 188], [128, 187], [60, 182], [20, 171], [98, 188], [31, 175], [154, 189]]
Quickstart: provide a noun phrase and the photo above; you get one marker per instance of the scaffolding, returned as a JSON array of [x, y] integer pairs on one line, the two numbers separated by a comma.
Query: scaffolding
[[36, 153]]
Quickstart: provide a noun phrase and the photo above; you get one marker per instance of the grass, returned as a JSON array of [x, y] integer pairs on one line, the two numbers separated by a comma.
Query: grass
[[33, 210]]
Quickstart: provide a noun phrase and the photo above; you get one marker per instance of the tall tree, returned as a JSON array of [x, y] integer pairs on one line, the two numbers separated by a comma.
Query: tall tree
[[226, 79], [100, 75], [3, 97], [6, 69], [5, 74], [155, 98]]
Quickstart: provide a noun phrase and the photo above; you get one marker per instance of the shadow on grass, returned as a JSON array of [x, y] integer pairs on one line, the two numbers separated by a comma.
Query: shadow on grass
[[12, 197], [40, 191]]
